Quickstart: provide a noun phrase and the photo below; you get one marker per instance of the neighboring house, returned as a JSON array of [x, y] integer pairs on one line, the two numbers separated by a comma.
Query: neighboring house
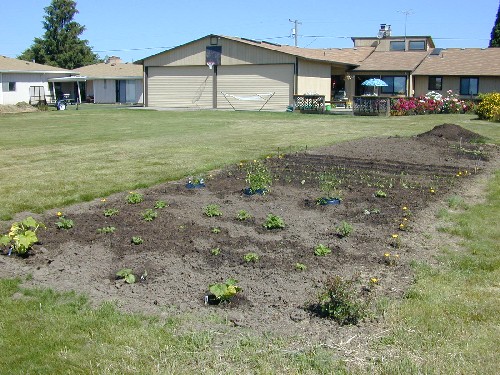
[[24, 81], [113, 82], [244, 71], [105, 83], [247, 71]]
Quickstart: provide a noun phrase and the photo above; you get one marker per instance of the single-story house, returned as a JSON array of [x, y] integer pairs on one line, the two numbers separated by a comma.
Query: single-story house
[[105, 83], [24, 81], [226, 72]]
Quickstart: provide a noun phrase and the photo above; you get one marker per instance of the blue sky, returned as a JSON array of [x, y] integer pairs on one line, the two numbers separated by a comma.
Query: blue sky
[[129, 29]]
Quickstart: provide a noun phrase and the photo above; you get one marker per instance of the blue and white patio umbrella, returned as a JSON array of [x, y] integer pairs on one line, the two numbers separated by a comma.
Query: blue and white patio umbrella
[[374, 82]]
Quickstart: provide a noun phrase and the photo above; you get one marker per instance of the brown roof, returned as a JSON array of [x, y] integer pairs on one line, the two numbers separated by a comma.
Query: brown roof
[[392, 60], [10, 65], [111, 70], [458, 62], [349, 56]]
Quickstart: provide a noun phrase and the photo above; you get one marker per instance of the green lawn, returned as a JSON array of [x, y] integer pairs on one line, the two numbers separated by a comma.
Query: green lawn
[[448, 324], [52, 159]]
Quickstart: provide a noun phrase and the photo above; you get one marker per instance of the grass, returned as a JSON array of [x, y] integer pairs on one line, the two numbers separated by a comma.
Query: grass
[[45, 332], [56, 158], [449, 322]]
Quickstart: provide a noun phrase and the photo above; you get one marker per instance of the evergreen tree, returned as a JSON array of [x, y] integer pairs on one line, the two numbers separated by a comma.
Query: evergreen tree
[[495, 32], [60, 45]]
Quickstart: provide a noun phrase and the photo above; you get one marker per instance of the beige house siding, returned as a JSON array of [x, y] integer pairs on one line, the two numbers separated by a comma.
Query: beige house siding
[[23, 81], [233, 53], [314, 77], [486, 84]]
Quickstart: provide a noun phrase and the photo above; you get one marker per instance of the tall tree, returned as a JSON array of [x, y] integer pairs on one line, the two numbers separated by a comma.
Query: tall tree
[[495, 32], [60, 45]]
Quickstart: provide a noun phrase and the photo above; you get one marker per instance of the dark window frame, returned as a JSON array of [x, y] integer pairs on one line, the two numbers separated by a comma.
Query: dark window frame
[[390, 81], [433, 83], [12, 86], [469, 79]]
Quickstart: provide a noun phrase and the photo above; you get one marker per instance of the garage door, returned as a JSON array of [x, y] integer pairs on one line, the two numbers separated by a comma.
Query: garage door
[[184, 86], [244, 84]]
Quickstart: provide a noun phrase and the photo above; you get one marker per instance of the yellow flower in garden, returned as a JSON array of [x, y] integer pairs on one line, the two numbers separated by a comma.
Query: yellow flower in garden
[[255, 161], [103, 200], [405, 219], [374, 280], [432, 191], [387, 254], [401, 225], [394, 236], [405, 208], [59, 213]]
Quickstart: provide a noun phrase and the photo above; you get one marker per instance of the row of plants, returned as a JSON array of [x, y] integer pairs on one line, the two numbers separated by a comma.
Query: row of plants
[[431, 103]]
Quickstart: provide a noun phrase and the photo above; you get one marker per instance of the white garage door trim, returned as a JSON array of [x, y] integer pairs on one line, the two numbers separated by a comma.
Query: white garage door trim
[[248, 80], [180, 87]]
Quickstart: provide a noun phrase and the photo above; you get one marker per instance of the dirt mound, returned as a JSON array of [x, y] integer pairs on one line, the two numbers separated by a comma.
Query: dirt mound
[[17, 108], [452, 132]]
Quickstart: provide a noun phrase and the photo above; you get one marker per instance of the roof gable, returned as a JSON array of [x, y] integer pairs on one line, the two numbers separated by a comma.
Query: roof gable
[[10, 65]]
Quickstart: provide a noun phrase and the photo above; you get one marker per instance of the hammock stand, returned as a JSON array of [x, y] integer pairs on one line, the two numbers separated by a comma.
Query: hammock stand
[[256, 97]]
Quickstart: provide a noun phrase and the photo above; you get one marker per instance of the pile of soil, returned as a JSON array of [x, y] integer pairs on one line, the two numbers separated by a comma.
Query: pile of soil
[[414, 173], [17, 108]]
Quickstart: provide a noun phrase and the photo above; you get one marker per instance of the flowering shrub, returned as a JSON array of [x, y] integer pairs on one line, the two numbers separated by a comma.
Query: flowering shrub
[[432, 102], [489, 107]]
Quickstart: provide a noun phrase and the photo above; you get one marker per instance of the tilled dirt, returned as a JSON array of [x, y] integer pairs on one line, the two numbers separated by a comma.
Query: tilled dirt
[[415, 173]]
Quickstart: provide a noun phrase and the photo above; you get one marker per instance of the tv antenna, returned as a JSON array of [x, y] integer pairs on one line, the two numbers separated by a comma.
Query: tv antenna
[[406, 13]]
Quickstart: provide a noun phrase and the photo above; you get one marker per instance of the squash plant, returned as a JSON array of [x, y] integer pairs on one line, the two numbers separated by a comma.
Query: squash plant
[[22, 235], [223, 292]]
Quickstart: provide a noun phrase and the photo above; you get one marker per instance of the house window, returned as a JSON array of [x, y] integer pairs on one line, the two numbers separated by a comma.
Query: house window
[[105, 84], [416, 45], [469, 85], [12, 86], [435, 83], [396, 85], [397, 46]]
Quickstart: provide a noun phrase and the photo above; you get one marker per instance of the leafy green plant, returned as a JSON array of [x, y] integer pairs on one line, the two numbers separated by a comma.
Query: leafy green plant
[[216, 230], [328, 183], [224, 292], [64, 223], [22, 235], [134, 198], [344, 229], [243, 215], [127, 275], [110, 212], [149, 215], [212, 210], [251, 257], [137, 240], [215, 251], [106, 230], [338, 301], [258, 177], [274, 222], [160, 204], [321, 250], [380, 194], [300, 267]]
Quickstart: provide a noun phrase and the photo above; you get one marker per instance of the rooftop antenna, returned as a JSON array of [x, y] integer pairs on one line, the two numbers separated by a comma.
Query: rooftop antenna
[[295, 30], [406, 13]]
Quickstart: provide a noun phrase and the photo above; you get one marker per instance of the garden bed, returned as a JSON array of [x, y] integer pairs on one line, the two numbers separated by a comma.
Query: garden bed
[[176, 257]]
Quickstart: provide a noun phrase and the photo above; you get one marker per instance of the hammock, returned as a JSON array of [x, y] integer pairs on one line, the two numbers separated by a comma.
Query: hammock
[[254, 98]]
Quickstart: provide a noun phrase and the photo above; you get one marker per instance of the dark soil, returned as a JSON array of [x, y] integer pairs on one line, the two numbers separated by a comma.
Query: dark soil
[[415, 173]]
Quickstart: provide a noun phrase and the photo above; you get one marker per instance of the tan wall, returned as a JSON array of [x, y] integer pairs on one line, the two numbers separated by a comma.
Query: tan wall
[[233, 53], [314, 78], [486, 84]]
